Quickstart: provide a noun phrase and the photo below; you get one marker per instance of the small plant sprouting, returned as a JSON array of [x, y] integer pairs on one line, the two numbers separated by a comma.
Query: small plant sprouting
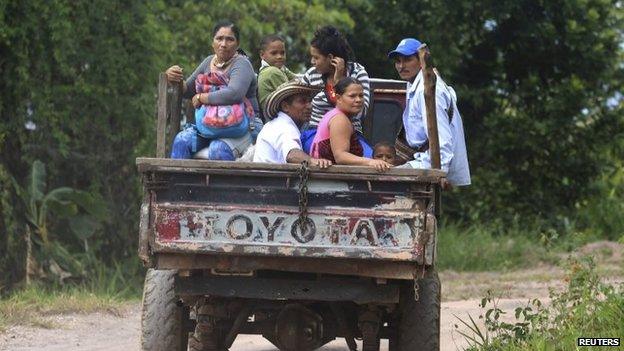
[[496, 330]]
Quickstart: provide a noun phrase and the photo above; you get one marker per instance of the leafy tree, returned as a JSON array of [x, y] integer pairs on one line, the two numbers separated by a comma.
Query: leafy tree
[[535, 80], [77, 83], [191, 24]]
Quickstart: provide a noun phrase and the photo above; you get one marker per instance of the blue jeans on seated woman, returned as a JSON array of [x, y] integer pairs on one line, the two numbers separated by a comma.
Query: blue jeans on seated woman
[[307, 136], [188, 142]]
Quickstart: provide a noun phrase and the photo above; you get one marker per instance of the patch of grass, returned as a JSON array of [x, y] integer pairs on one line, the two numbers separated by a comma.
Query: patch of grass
[[123, 280], [104, 289], [32, 305], [586, 308], [495, 248], [478, 248], [601, 214], [495, 243]]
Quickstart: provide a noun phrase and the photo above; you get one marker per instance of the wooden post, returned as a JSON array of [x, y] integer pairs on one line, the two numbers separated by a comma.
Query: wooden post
[[161, 117], [168, 115], [430, 104], [174, 106]]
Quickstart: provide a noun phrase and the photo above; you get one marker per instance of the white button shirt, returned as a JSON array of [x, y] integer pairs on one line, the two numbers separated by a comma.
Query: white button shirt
[[453, 155], [276, 139]]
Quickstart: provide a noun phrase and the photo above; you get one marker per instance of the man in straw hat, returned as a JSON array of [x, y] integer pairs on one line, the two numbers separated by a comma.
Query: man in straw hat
[[279, 141], [453, 155]]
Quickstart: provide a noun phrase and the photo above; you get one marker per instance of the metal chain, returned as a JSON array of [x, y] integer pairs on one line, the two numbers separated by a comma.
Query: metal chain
[[416, 295], [304, 173]]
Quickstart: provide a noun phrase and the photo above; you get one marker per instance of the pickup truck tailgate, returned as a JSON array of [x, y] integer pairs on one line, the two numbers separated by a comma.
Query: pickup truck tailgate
[[232, 208]]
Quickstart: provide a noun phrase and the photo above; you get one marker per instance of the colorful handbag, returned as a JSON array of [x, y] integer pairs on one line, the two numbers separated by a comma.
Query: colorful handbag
[[221, 121]]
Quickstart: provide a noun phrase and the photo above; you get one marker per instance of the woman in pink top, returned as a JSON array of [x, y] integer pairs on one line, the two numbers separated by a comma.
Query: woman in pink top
[[336, 139]]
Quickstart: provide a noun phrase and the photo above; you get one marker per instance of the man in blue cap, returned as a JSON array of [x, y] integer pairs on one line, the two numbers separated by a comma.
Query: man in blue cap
[[453, 155]]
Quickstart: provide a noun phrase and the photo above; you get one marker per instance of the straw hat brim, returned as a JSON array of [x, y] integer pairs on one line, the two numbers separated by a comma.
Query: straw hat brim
[[285, 90]]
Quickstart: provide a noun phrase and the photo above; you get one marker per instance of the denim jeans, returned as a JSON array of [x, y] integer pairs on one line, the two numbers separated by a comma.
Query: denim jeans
[[187, 142]]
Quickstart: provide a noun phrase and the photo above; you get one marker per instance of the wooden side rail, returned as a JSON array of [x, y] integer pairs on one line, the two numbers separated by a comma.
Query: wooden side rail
[[168, 115]]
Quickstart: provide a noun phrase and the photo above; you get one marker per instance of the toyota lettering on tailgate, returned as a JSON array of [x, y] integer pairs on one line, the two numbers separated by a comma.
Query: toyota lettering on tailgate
[[324, 228]]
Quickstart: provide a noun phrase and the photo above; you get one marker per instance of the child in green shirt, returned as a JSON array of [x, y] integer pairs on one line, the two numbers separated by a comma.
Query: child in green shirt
[[272, 72]]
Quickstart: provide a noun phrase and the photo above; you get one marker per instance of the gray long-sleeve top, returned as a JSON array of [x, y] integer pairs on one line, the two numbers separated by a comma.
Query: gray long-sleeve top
[[242, 83]]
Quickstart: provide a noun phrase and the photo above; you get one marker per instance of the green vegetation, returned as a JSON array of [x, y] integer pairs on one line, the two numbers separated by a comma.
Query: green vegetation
[[601, 214], [107, 290], [478, 248], [503, 245], [32, 305], [586, 308], [540, 95], [534, 92], [77, 93], [495, 244]]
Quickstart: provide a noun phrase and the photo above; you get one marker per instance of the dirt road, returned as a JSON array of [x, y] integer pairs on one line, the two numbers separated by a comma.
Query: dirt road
[[102, 331], [106, 331]]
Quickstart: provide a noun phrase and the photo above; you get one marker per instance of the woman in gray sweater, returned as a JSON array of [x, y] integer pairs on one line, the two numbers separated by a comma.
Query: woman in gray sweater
[[242, 83]]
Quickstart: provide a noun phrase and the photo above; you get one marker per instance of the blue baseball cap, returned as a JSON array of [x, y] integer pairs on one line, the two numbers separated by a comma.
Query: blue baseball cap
[[407, 47]]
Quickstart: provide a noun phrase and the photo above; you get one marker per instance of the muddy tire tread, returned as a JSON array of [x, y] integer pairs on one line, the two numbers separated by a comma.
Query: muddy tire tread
[[419, 326], [160, 315]]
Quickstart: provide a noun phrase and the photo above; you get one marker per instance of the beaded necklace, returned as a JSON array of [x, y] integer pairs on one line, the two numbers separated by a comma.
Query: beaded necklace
[[222, 65]]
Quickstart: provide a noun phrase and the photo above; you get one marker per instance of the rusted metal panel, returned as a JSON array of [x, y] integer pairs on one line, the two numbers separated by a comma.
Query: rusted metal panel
[[274, 231], [252, 214], [237, 263], [144, 231], [359, 291], [234, 192], [431, 245]]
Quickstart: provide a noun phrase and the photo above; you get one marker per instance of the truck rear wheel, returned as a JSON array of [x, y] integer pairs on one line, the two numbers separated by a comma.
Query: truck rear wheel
[[419, 322], [161, 317]]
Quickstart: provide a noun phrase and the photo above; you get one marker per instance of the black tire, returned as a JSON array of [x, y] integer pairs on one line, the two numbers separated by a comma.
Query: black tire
[[161, 317], [419, 321]]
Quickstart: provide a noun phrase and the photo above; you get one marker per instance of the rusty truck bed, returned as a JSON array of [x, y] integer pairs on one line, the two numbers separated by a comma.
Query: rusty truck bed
[[200, 214]]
